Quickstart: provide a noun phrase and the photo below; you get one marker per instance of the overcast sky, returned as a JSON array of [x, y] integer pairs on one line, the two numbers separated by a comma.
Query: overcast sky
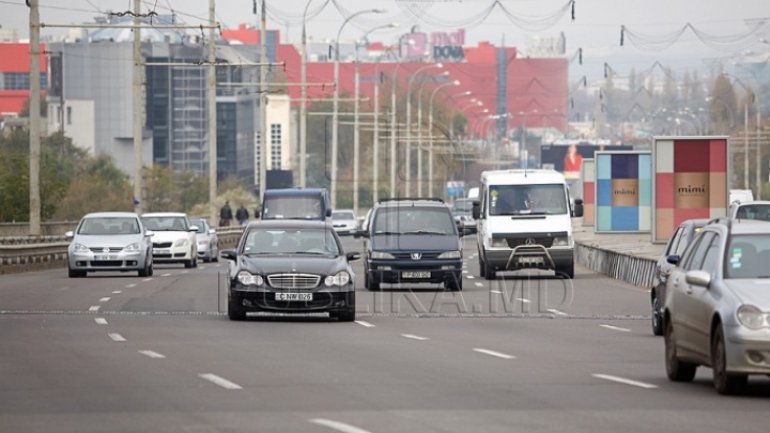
[[596, 28]]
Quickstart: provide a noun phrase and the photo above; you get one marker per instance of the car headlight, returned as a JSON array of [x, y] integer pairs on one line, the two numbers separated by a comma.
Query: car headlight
[[382, 255], [340, 279], [451, 255], [499, 243], [181, 243], [560, 241], [248, 279], [752, 317], [80, 248], [132, 248]]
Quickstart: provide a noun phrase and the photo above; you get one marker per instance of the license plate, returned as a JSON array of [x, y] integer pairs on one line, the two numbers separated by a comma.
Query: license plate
[[105, 257], [415, 274], [531, 260], [293, 296], [161, 251]]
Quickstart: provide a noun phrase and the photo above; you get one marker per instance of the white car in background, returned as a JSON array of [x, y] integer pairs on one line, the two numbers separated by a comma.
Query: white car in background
[[175, 239], [344, 221], [208, 242]]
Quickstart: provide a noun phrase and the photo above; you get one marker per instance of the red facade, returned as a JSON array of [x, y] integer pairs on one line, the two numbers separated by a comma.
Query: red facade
[[14, 58]]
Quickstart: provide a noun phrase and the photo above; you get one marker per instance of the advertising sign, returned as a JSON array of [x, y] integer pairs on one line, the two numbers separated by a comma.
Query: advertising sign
[[690, 181], [587, 176], [455, 188], [623, 191], [566, 158]]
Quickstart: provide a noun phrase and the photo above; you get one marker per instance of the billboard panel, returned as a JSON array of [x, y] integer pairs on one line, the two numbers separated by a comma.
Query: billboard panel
[[623, 191], [587, 177], [690, 181], [566, 158]]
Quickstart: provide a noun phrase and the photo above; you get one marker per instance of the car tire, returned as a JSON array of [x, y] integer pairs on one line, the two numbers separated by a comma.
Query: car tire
[[234, 311], [145, 271], [482, 268], [188, 264], [657, 321], [489, 272], [72, 273], [369, 284], [724, 382], [566, 271], [152, 269], [676, 370], [454, 284]]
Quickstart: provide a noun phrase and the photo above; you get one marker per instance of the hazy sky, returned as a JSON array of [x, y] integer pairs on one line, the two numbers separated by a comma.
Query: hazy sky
[[596, 28]]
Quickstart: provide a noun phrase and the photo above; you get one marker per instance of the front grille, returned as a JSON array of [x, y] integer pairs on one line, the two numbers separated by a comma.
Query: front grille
[[161, 256], [293, 281], [106, 263], [544, 241], [424, 255], [111, 249], [161, 244]]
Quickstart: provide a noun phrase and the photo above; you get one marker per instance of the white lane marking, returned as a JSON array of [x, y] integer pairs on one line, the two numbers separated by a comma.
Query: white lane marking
[[479, 284], [116, 337], [470, 277], [336, 425], [104, 299], [152, 354], [465, 271], [200, 267], [128, 286], [147, 279], [496, 292], [557, 312], [523, 300], [93, 308], [184, 272], [625, 381], [100, 321], [117, 292], [493, 353], [615, 328], [364, 323], [415, 337], [166, 275], [224, 383]]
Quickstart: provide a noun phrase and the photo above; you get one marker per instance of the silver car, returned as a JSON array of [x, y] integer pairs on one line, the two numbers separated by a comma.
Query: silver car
[[110, 241], [344, 222], [208, 242], [716, 311]]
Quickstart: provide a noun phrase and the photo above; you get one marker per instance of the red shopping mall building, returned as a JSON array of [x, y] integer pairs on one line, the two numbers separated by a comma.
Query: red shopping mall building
[[14, 76]]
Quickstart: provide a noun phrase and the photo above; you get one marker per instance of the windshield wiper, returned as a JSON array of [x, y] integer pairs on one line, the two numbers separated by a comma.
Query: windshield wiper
[[310, 253], [424, 232]]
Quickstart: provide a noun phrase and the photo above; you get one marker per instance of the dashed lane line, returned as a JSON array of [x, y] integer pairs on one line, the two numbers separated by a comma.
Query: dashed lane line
[[415, 337], [100, 321], [364, 323], [493, 353], [523, 300], [94, 308], [625, 381], [117, 292], [114, 336], [479, 284], [615, 328], [147, 279], [152, 354], [104, 299], [557, 312], [217, 380], [338, 426], [166, 275]]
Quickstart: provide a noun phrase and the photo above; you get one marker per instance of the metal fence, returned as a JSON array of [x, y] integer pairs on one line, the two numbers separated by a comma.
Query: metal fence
[[639, 271]]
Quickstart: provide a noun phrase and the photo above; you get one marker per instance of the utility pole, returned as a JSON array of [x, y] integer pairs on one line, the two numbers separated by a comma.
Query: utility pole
[[263, 133], [356, 131], [759, 149], [746, 146], [419, 142], [138, 110], [393, 133], [34, 118], [212, 106], [376, 141]]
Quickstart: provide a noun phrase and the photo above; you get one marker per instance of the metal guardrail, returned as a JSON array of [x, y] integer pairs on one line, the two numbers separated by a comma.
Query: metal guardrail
[[31, 256], [639, 271]]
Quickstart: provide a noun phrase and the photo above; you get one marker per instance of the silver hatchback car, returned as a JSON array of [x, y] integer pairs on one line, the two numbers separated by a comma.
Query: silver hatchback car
[[716, 311], [110, 241]]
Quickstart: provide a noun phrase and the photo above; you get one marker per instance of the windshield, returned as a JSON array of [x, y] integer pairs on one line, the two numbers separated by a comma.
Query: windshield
[[291, 242], [414, 220], [754, 212], [549, 199], [748, 256], [343, 215], [292, 208], [166, 224], [201, 224], [109, 226]]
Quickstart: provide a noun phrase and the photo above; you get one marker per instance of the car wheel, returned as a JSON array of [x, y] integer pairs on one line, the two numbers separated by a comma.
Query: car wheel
[[235, 311], [657, 322], [348, 315], [369, 284], [72, 273], [566, 271], [677, 371], [489, 272], [454, 284], [482, 268], [152, 268], [145, 271], [188, 264], [724, 382]]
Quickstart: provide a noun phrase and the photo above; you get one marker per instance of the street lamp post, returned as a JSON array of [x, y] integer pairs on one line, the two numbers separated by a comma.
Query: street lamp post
[[430, 132], [409, 120], [335, 105], [419, 133]]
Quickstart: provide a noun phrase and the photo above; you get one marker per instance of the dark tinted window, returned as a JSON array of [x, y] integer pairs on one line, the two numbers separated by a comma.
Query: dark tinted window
[[261, 241], [293, 207], [409, 219], [712, 259], [671, 248], [527, 199], [695, 257], [754, 212], [748, 256]]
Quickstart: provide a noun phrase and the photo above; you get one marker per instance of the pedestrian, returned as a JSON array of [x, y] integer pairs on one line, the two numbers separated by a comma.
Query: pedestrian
[[225, 215], [242, 215]]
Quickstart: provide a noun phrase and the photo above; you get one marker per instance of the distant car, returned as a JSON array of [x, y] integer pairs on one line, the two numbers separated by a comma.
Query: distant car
[[110, 241], [683, 235], [717, 307], [462, 209], [296, 203], [741, 195], [175, 240], [750, 210], [412, 241], [291, 266], [208, 242], [344, 222]]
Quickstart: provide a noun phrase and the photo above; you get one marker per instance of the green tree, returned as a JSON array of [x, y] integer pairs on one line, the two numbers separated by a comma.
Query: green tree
[[722, 106]]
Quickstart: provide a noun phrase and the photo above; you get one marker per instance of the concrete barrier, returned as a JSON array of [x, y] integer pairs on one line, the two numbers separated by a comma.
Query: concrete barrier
[[639, 271]]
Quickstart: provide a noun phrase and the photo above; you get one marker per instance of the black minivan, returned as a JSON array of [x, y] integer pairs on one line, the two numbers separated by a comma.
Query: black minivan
[[412, 241]]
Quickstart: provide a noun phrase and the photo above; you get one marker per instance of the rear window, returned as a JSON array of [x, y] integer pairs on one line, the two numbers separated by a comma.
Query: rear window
[[343, 215], [414, 220], [293, 207], [166, 223], [754, 212]]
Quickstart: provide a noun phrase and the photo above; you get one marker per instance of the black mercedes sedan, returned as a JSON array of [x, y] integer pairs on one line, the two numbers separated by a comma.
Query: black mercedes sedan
[[290, 266]]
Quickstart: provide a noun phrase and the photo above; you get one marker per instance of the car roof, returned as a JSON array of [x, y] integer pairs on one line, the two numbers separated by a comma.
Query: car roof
[[295, 191], [522, 177], [696, 222], [748, 203], [164, 214], [742, 227], [289, 224], [111, 215], [396, 202]]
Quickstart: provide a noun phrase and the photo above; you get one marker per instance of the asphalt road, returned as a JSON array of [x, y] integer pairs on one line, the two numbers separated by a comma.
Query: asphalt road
[[534, 353]]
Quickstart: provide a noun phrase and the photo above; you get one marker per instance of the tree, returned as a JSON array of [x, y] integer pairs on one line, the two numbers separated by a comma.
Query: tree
[[722, 106]]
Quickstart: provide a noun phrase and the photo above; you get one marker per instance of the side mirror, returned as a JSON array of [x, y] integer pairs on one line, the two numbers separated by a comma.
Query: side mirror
[[212, 232], [228, 254], [698, 278], [476, 209], [361, 234], [673, 259], [69, 234], [328, 213], [149, 233], [578, 211], [353, 256], [193, 229]]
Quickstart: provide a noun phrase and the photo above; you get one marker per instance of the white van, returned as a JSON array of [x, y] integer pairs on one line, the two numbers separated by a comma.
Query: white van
[[524, 222]]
